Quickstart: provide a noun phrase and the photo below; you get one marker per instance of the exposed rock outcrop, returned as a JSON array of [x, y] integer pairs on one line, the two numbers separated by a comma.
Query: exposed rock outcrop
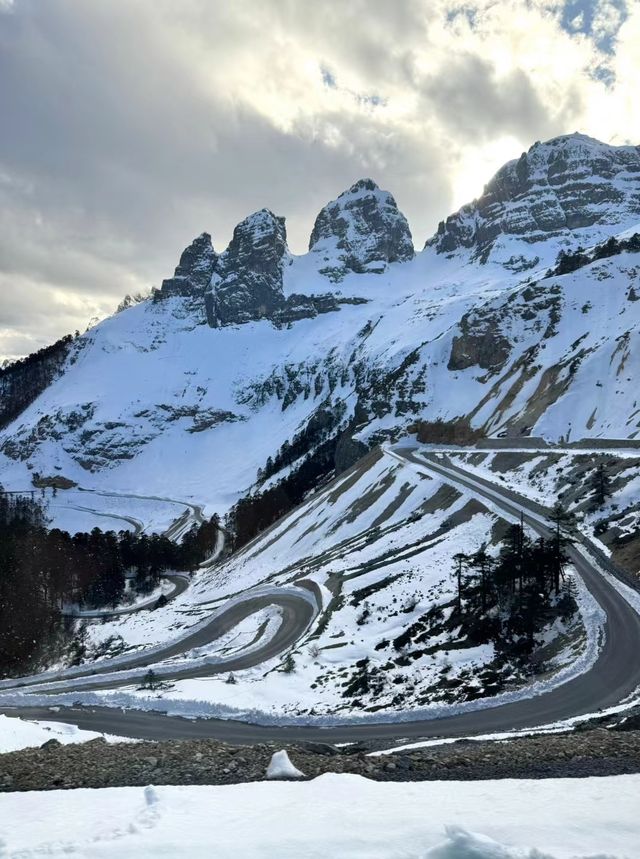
[[193, 273], [362, 230], [571, 183], [484, 347], [247, 284], [248, 281]]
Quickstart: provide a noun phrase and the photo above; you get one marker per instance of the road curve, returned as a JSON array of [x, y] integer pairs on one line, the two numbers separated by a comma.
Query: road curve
[[614, 676], [180, 582], [192, 514], [298, 608]]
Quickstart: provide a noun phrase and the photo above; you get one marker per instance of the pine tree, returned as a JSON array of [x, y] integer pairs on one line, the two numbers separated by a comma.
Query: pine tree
[[600, 484], [565, 525], [150, 680], [460, 560]]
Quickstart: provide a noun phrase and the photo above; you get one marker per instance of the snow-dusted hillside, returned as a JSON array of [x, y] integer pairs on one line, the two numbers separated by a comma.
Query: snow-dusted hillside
[[189, 394], [377, 544]]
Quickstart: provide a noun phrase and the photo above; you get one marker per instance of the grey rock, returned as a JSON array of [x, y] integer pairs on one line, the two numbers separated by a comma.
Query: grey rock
[[51, 744], [193, 273], [484, 347], [321, 748], [361, 231], [348, 451], [566, 184], [247, 284]]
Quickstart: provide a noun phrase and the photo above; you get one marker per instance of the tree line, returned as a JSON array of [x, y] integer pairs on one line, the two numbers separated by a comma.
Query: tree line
[[510, 598], [23, 380], [569, 261], [42, 570]]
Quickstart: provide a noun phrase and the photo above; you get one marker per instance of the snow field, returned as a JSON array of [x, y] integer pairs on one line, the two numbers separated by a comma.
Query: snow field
[[342, 816], [378, 580]]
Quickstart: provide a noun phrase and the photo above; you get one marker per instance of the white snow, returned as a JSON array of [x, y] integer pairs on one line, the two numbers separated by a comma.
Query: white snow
[[366, 541], [159, 366], [281, 767], [21, 734], [402, 571], [340, 816]]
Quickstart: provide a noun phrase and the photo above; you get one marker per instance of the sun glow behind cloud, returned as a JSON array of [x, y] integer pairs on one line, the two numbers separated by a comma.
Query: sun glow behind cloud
[[477, 165]]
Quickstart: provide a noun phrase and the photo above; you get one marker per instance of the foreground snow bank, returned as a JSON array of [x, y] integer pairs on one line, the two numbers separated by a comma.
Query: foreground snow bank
[[20, 734], [341, 816]]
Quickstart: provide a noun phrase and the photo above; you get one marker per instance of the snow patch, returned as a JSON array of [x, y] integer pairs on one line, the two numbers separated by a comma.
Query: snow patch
[[280, 767]]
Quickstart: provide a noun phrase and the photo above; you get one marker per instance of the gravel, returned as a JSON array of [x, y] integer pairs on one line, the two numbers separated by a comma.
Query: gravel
[[98, 764]]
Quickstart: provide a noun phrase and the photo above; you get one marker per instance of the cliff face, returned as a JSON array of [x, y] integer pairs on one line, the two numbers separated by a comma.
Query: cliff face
[[362, 230], [558, 193], [193, 273]]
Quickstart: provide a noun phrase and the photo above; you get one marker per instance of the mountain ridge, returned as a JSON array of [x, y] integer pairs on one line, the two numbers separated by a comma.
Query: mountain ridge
[[350, 344]]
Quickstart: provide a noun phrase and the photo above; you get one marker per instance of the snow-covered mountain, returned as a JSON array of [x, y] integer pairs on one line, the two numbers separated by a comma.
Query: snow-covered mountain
[[247, 361]]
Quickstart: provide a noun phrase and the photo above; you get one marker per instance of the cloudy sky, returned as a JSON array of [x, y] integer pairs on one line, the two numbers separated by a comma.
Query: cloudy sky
[[129, 126]]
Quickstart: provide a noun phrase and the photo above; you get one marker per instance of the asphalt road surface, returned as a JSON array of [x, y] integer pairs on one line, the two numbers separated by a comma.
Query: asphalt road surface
[[297, 611], [615, 674]]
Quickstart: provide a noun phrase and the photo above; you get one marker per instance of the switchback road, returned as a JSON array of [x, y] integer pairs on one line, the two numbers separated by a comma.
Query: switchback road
[[614, 675]]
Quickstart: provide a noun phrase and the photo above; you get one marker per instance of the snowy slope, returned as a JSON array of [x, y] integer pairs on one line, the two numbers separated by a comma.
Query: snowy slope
[[379, 543], [344, 816], [358, 334]]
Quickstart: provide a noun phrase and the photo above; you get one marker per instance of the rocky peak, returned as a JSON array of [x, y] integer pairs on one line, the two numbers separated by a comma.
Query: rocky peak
[[193, 273], [571, 188], [361, 231], [247, 284]]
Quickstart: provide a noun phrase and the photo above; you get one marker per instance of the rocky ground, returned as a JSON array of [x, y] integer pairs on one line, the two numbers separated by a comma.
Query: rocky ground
[[593, 752]]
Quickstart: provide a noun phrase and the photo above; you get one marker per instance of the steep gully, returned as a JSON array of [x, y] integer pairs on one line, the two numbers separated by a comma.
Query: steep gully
[[614, 675]]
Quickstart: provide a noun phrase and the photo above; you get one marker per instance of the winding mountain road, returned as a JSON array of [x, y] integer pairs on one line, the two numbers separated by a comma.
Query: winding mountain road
[[192, 514], [614, 676], [298, 606], [179, 584]]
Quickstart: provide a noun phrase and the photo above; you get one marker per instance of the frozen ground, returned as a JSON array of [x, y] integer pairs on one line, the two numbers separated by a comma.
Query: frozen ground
[[338, 816]]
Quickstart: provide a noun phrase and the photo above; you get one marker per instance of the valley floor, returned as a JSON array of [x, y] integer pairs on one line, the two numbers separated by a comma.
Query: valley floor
[[342, 816]]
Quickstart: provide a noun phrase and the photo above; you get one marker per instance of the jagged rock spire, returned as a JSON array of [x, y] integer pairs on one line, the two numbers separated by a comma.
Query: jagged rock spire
[[193, 273], [247, 283], [362, 230]]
